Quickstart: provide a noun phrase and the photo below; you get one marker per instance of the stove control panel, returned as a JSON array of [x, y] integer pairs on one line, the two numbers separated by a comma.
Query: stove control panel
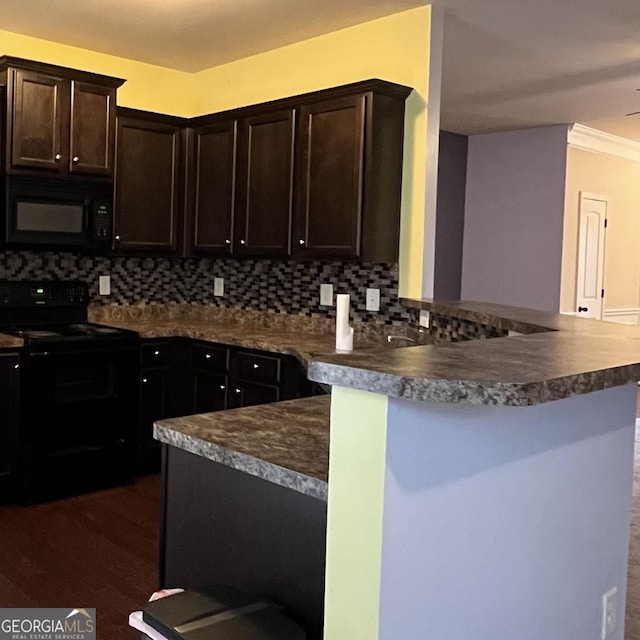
[[23, 294]]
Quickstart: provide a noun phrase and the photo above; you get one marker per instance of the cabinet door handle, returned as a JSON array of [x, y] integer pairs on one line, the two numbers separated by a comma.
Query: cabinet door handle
[[16, 366], [207, 355], [227, 241], [256, 366], [242, 242], [117, 238], [144, 380], [301, 242], [58, 157], [238, 390], [75, 159], [156, 353], [222, 387]]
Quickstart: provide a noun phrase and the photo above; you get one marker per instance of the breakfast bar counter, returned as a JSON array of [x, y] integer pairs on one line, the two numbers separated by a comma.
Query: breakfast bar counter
[[482, 488]]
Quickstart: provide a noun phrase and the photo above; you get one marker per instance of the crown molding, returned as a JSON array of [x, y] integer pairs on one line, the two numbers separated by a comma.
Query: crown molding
[[588, 139]]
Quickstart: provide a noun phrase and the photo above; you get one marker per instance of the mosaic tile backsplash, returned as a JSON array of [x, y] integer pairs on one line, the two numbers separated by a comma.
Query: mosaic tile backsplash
[[261, 285], [447, 329]]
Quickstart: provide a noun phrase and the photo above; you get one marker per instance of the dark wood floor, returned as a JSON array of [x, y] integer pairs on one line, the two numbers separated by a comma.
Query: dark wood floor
[[96, 550]]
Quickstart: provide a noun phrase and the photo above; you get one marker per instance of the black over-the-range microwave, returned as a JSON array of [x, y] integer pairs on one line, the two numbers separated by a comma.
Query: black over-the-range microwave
[[57, 213]]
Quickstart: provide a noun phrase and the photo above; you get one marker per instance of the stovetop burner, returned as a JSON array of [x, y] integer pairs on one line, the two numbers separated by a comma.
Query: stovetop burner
[[64, 331]]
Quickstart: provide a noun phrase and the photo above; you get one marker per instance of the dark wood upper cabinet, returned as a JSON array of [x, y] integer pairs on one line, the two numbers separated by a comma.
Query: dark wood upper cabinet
[[58, 120], [316, 176], [38, 127], [349, 173], [93, 121], [214, 189], [265, 184], [329, 181], [149, 183]]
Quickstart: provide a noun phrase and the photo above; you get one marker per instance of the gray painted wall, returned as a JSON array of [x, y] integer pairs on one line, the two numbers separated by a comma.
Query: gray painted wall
[[514, 217], [452, 172], [505, 523]]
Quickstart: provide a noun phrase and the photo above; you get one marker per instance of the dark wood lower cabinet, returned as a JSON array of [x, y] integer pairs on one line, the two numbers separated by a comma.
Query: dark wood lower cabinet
[[180, 377], [222, 526], [9, 403], [159, 372]]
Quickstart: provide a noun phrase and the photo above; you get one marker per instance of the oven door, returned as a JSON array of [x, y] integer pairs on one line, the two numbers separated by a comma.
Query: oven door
[[79, 420]]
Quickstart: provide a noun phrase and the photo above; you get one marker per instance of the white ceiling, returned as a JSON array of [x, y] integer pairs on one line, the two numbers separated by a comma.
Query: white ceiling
[[507, 63]]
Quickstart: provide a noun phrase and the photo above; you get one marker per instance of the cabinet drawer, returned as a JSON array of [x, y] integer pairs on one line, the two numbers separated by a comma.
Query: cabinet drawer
[[262, 368], [209, 358], [157, 354], [247, 394]]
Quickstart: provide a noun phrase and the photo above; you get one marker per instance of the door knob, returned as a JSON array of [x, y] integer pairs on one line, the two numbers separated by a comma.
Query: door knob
[[583, 309]]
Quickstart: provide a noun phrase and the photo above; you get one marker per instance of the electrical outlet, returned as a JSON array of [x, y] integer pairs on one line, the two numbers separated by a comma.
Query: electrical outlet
[[218, 286], [104, 285], [326, 295], [373, 299], [609, 612]]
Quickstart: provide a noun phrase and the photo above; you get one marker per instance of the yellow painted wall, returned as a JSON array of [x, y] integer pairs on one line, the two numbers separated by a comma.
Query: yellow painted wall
[[147, 86], [619, 179], [394, 48], [357, 459]]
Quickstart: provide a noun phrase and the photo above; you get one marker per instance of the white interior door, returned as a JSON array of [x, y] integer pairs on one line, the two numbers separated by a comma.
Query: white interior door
[[591, 240]]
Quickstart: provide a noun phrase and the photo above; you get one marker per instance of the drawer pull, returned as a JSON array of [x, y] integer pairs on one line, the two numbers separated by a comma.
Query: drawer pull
[[256, 366], [222, 387], [238, 390], [207, 355]]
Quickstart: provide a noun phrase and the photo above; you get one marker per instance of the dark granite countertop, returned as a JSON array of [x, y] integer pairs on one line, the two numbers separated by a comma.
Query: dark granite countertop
[[284, 442], [560, 356], [10, 342]]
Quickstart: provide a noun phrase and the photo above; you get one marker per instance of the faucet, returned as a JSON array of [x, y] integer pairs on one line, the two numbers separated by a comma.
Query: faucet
[[392, 338]]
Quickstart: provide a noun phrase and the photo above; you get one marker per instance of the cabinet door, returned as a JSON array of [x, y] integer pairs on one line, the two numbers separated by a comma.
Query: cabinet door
[[9, 392], [329, 178], [155, 388], [209, 391], [147, 186], [265, 184], [40, 123], [247, 394], [208, 366], [215, 156], [93, 121], [161, 396]]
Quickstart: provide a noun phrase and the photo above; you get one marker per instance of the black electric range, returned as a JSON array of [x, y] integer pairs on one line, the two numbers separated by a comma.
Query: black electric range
[[53, 314], [78, 391]]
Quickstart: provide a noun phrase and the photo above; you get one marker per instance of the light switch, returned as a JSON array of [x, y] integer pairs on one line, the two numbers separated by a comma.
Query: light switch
[[326, 295], [218, 286], [373, 299], [104, 285]]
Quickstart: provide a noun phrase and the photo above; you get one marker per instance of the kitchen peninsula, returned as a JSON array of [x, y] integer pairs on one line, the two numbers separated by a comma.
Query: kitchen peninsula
[[480, 488]]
